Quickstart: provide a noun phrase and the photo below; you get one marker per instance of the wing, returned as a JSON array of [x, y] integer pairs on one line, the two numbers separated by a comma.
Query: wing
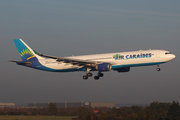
[[79, 62]]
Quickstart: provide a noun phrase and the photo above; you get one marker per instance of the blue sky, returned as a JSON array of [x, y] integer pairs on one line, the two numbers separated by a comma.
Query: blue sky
[[68, 27]]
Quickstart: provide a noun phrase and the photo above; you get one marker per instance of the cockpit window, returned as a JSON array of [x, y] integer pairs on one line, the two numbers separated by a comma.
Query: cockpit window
[[168, 53]]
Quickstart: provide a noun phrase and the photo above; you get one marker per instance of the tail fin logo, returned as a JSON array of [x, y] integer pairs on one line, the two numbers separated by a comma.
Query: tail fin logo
[[25, 53]]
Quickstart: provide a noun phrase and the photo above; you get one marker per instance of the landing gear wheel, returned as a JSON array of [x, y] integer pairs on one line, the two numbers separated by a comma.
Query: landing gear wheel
[[158, 69], [89, 74], [96, 77], [85, 77], [100, 74]]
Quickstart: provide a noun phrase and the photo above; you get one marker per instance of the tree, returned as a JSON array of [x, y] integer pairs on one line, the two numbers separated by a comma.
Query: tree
[[52, 109], [82, 113], [174, 111], [157, 110]]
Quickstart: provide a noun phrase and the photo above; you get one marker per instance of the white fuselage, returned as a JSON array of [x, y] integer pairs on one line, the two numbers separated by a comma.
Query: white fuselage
[[118, 59]]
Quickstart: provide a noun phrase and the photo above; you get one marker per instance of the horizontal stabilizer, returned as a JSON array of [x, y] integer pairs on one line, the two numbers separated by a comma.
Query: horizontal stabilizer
[[21, 63]]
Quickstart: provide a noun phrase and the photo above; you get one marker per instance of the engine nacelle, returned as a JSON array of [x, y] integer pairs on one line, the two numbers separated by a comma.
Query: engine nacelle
[[124, 69], [103, 67]]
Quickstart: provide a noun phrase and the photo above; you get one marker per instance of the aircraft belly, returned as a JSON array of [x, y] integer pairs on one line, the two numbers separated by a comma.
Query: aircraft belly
[[134, 61], [60, 66]]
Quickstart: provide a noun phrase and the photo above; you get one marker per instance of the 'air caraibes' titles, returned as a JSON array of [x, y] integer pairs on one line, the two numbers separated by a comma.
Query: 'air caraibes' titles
[[119, 61], [134, 56]]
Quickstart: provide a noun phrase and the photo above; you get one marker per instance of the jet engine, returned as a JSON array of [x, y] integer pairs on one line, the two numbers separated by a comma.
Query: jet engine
[[124, 69], [103, 67]]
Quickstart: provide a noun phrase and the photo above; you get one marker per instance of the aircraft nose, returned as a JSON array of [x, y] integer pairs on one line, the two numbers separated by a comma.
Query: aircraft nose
[[170, 57], [173, 56]]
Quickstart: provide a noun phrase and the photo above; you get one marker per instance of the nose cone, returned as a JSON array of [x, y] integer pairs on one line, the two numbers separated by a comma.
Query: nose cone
[[172, 56]]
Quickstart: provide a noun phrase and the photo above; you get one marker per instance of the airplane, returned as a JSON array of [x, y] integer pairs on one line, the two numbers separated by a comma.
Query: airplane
[[118, 61]]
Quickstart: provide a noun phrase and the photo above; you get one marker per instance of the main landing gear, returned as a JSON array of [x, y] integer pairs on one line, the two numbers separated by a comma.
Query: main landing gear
[[98, 75], [88, 74], [85, 77], [158, 68]]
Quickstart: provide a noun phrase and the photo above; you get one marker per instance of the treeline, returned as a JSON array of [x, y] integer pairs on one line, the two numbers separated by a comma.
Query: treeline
[[155, 111], [51, 110]]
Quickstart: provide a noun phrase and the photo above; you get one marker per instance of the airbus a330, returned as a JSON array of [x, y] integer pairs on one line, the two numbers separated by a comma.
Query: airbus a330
[[118, 61]]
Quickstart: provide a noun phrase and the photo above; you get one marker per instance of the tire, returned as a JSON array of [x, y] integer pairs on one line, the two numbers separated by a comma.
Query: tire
[[89, 74], [158, 69], [85, 77], [96, 77], [100, 74]]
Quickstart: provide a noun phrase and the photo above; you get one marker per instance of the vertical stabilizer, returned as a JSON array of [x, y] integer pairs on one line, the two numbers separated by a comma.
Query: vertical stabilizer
[[25, 51]]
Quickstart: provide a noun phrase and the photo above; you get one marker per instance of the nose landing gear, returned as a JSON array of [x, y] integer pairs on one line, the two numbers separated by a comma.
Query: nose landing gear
[[158, 69]]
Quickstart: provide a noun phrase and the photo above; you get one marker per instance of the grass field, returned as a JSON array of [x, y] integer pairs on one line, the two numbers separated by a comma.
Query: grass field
[[3, 117]]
